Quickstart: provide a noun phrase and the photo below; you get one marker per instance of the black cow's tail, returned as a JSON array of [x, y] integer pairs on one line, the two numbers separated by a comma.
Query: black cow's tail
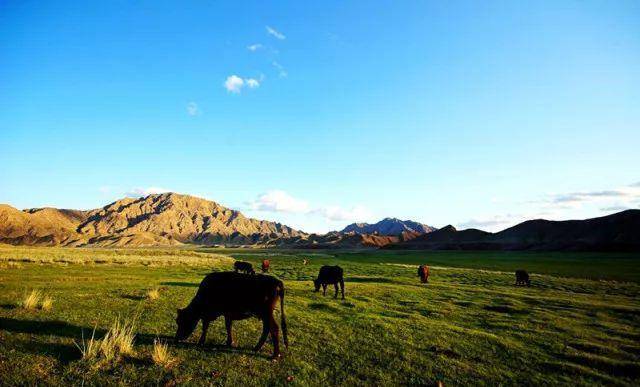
[[283, 319]]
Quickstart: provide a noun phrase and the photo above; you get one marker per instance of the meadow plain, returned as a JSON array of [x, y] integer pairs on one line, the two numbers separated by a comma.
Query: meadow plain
[[578, 324]]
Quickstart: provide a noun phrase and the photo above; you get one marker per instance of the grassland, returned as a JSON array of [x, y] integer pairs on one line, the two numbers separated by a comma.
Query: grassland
[[579, 323]]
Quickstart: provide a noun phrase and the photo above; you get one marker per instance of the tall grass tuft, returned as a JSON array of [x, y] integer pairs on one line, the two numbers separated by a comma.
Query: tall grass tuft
[[47, 303], [161, 355], [153, 294], [89, 349], [31, 300], [118, 341]]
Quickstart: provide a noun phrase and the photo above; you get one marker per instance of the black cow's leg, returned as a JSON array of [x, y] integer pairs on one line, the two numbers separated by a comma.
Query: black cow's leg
[[275, 337], [227, 324], [336, 288], [205, 327], [265, 332], [324, 289], [342, 288]]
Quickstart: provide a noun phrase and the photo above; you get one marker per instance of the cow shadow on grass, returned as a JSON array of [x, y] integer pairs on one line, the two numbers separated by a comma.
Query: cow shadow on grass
[[66, 330], [368, 279], [67, 352], [181, 284], [222, 348]]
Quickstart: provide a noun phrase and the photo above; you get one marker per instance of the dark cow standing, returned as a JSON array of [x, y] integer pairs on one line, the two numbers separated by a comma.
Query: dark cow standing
[[265, 265], [243, 267], [522, 278], [423, 273], [330, 275], [235, 296]]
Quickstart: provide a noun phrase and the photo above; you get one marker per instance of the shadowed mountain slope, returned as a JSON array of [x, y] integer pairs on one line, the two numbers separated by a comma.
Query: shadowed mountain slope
[[616, 232]]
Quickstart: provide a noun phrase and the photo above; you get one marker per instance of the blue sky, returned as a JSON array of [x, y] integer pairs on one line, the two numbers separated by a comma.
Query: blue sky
[[476, 114]]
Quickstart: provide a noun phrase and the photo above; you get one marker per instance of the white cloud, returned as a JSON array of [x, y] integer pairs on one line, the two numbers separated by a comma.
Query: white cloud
[[279, 201], [337, 213], [282, 73], [254, 47], [274, 33], [252, 83], [138, 192], [235, 84], [192, 109]]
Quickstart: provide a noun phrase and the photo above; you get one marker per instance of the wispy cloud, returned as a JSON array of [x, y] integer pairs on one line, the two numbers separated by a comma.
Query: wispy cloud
[[276, 34], [235, 84], [337, 213], [255, 47], [614, 208], [492, 223], [139, 192], [585, 196], [282, 73], [281, 201], [563, 206], [192, 109], [252, 83]]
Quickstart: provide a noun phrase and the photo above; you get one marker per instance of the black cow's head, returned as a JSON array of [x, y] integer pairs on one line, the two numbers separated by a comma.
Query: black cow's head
[[316, 283], [187, 322]]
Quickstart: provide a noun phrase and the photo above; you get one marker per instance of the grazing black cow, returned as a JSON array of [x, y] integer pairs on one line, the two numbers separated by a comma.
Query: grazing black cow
[[235, 296], [522, 278], [243, 267], [330, 275]]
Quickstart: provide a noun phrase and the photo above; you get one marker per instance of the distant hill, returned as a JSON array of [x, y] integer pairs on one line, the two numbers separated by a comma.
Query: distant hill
[[163, 219], [389, 227], [616, 232]]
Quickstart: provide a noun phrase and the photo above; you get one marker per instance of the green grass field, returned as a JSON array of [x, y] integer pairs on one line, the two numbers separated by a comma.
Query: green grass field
[[578, 324]]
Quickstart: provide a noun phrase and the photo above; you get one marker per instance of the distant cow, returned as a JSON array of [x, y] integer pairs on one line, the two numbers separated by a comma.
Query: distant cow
[[243, 267], [304, 261], [235, 296], [522, 278], [265, 265], [330, 275], [423, 273]]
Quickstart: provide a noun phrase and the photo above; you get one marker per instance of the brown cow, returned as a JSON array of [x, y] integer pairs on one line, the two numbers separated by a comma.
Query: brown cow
[[235, 296], [265, 265], [423, 273]]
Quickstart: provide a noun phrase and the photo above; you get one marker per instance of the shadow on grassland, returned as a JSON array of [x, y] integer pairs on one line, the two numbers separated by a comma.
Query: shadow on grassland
[[181, 284]]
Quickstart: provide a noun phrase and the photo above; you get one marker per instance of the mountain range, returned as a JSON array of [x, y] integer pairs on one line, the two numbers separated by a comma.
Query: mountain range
[[174, 219], [389, 226], [161, 219]]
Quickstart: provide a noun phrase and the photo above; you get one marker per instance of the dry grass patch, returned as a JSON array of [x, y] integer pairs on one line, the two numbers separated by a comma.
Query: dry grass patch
[[153, 294], [47, 303], [36, 300], [31, 300], [117, 342], [161, 355]]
